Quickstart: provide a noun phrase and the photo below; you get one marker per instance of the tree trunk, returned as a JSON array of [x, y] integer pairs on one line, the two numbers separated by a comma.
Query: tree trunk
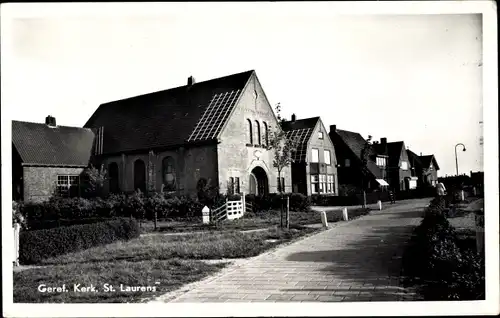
[[364, 193], [155, 219]]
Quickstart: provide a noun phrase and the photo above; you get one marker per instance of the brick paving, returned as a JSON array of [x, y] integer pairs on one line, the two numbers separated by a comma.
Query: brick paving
[[359, 260]]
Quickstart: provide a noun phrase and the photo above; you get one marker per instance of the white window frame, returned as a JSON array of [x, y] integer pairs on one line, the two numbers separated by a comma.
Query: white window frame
[[329, 156], [314, 183], [330, 182], [404, 165], [381, 161], [313, 152], [320, 135], [64, 184], [322, 183]]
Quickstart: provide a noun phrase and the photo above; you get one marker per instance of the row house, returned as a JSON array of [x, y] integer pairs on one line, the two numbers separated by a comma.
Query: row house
[[314, 166]]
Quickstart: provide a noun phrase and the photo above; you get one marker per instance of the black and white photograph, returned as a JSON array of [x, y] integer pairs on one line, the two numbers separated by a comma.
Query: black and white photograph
[[289, 158]]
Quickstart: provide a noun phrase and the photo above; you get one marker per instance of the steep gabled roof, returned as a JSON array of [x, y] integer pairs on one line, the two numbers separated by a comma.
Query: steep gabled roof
[[426, 161], [355, 142], [39, 144], [302, 130], [394, 152], [414, 159], [171, 117]]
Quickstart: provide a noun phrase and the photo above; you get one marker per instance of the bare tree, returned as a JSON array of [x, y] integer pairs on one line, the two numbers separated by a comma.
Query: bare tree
[[282, 146]]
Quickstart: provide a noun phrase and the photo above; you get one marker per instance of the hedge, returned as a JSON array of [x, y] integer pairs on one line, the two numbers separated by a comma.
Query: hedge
[[297, 201], [37, 245], [42, 215], [439, 263]]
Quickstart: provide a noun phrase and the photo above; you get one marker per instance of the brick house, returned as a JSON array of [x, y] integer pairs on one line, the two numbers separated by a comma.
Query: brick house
[[424, 168], [349, 147], [47, 158], [314, 170], [177, 140], [398, 167]]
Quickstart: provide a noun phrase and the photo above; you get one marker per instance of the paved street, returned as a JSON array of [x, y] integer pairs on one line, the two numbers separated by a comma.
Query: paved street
[[359, 260]]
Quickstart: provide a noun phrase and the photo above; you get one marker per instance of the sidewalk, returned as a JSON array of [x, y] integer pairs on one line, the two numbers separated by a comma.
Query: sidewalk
[[354, 261]]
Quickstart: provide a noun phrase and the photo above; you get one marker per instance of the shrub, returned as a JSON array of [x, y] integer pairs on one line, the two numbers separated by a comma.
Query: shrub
[[299, 202], [37, 245], [436, 260]]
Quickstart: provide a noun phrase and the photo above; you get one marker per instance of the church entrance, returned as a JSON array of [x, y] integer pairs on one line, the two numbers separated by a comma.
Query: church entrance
[[259, 183]]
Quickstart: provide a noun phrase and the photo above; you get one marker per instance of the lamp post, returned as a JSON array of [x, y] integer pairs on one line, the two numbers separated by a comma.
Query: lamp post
[[456, 158]]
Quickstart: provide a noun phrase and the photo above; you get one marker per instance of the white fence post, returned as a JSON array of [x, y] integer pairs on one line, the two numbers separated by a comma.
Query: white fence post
[[243, 203], [344, 214], [379, 205], [205, 215], [16, 228], [324, 220]]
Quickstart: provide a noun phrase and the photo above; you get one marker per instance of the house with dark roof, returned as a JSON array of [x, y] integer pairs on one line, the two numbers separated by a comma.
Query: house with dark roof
[[48, 159], [178, 140], [424, 168], [351, 171], [314, 170], [398, 169]]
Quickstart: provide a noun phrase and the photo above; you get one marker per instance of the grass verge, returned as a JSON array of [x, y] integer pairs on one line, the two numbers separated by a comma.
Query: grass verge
[[251, 221]]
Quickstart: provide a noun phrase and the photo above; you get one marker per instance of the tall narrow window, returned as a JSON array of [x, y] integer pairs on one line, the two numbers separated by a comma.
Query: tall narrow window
[[315, 155], [139, 175], [328, 159], [230, 186], [331, 188], [168, 173], [314, 184], [250, 133], [257, 131], [266, 134], [237, 184], [347, 163], [114, 185]]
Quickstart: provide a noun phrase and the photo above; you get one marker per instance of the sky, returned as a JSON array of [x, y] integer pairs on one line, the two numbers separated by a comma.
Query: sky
[[416, 78]]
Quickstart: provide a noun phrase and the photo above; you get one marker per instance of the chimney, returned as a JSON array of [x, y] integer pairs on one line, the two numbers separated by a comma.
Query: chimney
[[420, 154], [294, 117], [191, 81], [50, 121], [383, 141], [333, 128]]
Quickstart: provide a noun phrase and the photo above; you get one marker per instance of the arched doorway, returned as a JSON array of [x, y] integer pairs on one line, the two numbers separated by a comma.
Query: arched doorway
[[139, 175], [258, 181]]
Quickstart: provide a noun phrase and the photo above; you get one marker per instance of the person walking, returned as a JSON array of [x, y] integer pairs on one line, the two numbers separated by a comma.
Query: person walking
[[391, 196]]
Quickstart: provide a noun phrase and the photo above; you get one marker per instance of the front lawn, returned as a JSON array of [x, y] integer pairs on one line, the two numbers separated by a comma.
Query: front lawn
[[162, 262], [212, 245], [156, 277]]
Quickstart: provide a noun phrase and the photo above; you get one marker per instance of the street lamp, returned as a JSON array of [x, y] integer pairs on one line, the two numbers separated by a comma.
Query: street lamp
[[456, 159]]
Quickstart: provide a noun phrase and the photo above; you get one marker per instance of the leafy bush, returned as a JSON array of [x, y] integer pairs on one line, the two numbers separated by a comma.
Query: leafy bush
[[37, 245], [299, 202], [94, 180], [439, 264]]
